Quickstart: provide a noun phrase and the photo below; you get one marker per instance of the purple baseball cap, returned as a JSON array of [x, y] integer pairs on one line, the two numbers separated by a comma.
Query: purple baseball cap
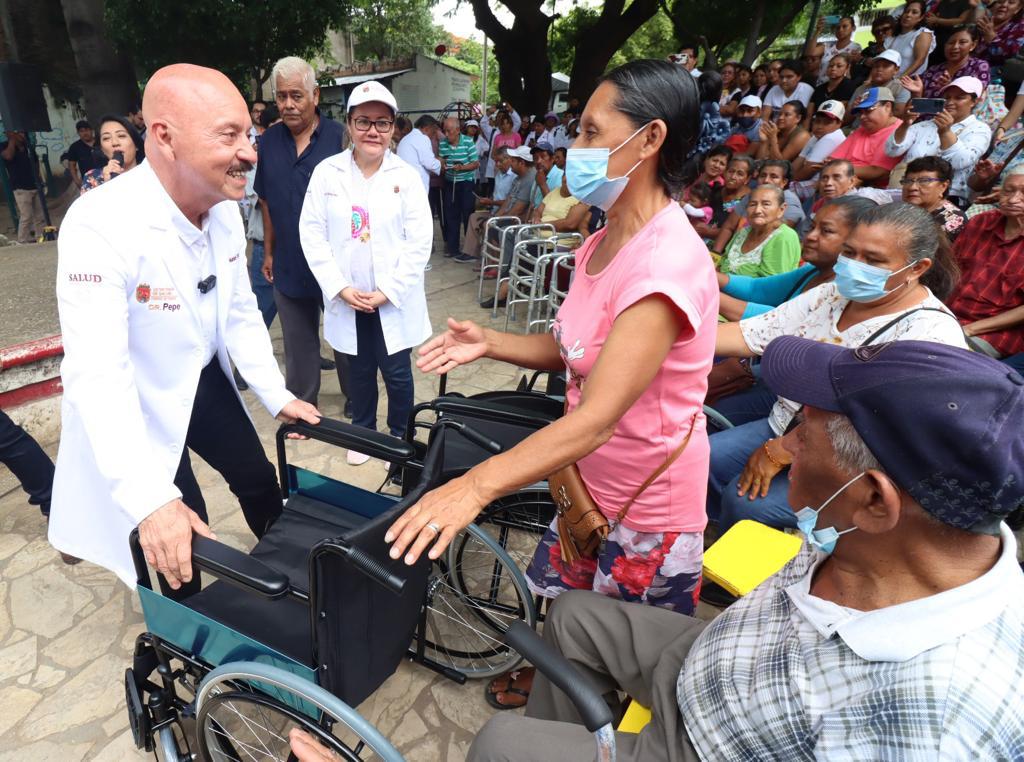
[[946, 424]]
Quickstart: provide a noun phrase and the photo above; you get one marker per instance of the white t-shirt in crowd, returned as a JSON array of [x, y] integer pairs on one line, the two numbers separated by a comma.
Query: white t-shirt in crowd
[[814, 315], [361, 257], [777, 99], [904, 45], [819, 149], [830, 51]]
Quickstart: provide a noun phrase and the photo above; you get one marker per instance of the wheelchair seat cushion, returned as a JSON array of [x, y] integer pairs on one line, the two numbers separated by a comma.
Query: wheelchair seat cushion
[[282, 624]]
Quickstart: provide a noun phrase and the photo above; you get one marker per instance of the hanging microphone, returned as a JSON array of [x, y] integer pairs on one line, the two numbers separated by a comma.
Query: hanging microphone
[[206, 284]]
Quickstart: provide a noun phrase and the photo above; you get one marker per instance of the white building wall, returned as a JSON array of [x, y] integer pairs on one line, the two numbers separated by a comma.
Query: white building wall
[[431, 87]]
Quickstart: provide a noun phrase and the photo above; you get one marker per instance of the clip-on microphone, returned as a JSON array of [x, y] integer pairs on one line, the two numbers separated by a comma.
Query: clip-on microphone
[[206, 284]]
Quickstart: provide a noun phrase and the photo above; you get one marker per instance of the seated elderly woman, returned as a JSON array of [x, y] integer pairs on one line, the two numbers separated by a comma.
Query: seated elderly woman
[[776, 172], [989, 301], [893, 634], [888, 284], [765, 246], [925, 184], [955, 134]]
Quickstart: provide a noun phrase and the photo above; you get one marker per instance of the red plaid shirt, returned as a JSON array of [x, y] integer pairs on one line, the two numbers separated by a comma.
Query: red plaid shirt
[[992, 279]]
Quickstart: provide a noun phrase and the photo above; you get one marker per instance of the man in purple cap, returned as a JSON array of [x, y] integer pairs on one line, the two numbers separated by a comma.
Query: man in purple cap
[[894, 634]]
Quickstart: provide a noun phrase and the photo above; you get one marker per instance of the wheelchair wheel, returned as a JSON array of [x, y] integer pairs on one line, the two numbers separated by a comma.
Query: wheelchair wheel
[[475, 592], [516, 522], [245, 711]]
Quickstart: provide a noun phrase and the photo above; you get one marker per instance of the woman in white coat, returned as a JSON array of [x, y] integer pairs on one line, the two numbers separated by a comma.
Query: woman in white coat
[[366, 231]]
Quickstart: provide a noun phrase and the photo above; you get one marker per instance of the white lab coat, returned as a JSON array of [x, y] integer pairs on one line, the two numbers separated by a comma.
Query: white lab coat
[[402, 233], [133, 352]]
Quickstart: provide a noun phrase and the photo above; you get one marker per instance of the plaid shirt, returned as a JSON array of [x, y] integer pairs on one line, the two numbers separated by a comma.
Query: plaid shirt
[[783, 675], [992, 278]]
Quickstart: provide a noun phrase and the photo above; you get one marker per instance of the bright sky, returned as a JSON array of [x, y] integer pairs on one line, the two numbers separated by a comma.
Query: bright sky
[[462, 24]]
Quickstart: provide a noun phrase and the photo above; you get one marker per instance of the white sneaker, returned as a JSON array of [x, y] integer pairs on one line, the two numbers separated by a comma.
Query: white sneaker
[[427, 266], [356, 458]]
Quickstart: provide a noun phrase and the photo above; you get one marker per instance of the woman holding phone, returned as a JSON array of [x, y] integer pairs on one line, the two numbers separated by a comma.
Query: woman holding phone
[[122, 150]]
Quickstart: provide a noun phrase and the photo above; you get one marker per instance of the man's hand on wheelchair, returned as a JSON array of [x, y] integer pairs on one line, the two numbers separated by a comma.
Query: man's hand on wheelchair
[[299, 410], [436, 518], [461, 344], [308, 749], [166, 539]]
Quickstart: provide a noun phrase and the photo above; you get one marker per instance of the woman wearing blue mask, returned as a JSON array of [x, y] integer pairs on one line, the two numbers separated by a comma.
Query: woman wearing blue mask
[[636, 337], [888, 282]]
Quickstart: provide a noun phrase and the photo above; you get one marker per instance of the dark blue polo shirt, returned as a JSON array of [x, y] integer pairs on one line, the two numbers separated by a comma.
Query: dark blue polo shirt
[[281, 181]]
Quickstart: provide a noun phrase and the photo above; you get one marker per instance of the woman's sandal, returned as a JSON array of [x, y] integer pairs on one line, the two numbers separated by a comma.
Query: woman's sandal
[[516, 683]]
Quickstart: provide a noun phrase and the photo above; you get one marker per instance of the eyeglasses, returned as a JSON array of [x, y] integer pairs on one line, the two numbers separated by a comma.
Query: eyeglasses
[[908, 182], [363, 124]]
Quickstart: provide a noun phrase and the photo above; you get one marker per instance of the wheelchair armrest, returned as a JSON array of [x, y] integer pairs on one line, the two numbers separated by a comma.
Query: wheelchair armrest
[[581, 689], [489, 411], [341, 434], [238, 568]]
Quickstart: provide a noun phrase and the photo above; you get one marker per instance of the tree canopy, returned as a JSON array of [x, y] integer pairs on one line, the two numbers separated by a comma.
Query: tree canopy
[[388, 28]]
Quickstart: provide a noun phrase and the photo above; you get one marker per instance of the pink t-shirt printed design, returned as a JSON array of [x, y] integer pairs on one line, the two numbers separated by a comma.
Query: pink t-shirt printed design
[[667, 258], [360, 224]]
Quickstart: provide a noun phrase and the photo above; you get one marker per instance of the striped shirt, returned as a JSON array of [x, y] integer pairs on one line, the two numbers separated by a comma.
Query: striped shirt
[[463, 153], [785, 675]]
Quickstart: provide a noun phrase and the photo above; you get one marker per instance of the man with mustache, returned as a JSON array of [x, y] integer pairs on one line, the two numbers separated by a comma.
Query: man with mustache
[[155, 304], [289, 152]]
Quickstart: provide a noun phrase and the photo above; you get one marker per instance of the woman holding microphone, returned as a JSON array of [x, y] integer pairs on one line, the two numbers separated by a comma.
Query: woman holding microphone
[[366, 231]]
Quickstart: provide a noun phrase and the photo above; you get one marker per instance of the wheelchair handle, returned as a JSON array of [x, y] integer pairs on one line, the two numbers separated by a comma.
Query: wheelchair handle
[[369, 566], [581, 689], [474, 436]]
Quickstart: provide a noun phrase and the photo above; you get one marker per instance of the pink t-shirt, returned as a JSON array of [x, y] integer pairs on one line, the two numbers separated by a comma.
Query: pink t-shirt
[[512, 140], [864, 150], [666, 257]]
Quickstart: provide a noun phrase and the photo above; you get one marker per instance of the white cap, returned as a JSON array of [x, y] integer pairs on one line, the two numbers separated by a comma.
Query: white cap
[[369, 92], [522, 152], [751, 100], [472, 123], [970, 85], [834, 109], [892, 56]]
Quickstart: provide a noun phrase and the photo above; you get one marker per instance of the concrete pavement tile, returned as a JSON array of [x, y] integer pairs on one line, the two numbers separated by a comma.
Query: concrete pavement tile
[[63, 599], [10, 544], [47, 677], [46, 751], [118, 750], [102, 628], [18, 659], [16, 703], [92, 695]]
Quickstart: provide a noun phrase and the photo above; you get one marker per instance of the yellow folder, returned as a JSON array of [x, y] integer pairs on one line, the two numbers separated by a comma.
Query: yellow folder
[[747, 555]]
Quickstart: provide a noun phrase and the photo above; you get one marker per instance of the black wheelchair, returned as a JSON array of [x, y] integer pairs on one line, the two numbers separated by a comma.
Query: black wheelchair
[[317, 615]]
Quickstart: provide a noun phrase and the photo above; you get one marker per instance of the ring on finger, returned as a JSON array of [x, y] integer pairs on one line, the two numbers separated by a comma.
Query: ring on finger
[[434, 527]]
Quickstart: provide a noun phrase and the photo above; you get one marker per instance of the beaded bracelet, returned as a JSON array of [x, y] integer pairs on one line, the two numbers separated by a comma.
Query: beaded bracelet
[[771, 457]]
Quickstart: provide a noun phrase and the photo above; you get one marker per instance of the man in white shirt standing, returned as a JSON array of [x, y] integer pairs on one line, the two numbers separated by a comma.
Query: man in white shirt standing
[[155, 304], [417, 150]]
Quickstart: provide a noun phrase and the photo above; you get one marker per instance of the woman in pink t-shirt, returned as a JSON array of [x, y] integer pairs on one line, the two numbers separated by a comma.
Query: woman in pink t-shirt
[[636, 335], [506, 136]]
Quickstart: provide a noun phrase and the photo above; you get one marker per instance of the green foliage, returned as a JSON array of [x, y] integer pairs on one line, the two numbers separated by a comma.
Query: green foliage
[[242, 38], [655, 39], [467, 54], [388, 28]]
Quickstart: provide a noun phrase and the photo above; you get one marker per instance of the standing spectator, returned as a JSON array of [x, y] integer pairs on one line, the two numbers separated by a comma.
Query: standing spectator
[[785, 137], [472, 130], [790, 88], [865, 146], [844, 45], [21, 171], [31, 467], [955, 134], [138, 121], [458, 164], [989, 301], [925, 184], [913, 41], [289, 152], [256, 112], [536, 133], [958, 47], [416, 150], [1002, 31], [82, 153], [826, 137], [687, 58], [121, 148], [884, 68], [836, 87], [403, 126], [366, 234], [560, 135]]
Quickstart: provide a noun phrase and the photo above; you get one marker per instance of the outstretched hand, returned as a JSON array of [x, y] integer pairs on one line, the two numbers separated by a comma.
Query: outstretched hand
[[461, 344]]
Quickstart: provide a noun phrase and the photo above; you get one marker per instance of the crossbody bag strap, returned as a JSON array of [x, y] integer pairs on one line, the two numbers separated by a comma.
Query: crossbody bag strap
[[899, 318], [661, 469]]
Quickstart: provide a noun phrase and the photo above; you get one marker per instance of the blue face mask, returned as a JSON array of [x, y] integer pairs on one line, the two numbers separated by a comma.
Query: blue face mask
[[586, 173], [861, 282], [823, 539], [746, 122]]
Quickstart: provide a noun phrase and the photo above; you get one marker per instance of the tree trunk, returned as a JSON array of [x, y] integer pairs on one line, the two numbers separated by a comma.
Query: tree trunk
[[750, 51], [603, 38], [524, 71], [107, 76]]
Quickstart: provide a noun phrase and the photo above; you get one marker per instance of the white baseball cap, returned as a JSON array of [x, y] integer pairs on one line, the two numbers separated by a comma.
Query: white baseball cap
[[892, 56], [369, 92], [751, 100], [970, 85], [834, 109], [472, 123], [522, 152]]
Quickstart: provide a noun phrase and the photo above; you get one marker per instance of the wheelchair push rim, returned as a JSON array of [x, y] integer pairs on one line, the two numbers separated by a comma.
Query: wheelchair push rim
[[237, 719]]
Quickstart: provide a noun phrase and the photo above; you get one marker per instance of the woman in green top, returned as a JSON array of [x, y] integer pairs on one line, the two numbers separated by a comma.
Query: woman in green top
[[766, 246]]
